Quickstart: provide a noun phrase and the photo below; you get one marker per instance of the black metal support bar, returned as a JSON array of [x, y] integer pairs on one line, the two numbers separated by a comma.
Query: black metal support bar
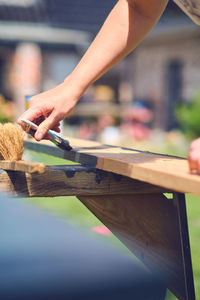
[[179, 200]]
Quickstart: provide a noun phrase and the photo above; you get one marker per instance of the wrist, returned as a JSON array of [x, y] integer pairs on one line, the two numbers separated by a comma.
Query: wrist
[[75, 85]]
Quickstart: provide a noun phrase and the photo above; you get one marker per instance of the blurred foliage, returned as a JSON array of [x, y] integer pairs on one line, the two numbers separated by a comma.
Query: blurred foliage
[[188, 117], [7, 110]]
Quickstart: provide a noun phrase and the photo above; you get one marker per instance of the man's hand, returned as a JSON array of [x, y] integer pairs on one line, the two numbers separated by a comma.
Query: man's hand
[[49, 108], [194, 156]]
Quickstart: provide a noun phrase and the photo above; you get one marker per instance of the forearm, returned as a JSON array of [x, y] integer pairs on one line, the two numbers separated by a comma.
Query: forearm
[[126, 26], [123, 30]]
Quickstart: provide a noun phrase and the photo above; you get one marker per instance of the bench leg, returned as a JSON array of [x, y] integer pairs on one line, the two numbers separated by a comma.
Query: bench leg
[[154, 228]]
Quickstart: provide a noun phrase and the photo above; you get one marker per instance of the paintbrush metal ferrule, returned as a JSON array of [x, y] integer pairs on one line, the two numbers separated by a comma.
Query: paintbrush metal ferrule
[[58, 141], [54, 138]]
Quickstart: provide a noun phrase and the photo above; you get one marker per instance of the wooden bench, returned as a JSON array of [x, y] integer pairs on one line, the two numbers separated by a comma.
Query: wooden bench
[[126, 189]]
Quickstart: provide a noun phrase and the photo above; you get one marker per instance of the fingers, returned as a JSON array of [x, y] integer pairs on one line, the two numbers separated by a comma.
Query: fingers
[[57, 127], [48, 108], [194, 161], [32, 114], [48, 123], [45, 123], [194, 156]]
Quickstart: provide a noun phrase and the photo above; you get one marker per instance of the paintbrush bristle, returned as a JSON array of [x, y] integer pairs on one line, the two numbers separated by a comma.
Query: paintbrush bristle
[[11, 142]]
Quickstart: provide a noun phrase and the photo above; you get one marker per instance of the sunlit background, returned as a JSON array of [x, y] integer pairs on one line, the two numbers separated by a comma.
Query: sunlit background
[[138, 101], [149, 101]]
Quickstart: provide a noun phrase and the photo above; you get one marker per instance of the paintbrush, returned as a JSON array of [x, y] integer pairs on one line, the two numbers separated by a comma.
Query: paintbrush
[[54, 138]]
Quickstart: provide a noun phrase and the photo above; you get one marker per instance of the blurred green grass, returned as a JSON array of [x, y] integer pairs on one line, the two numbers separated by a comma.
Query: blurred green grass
[[71, 209]]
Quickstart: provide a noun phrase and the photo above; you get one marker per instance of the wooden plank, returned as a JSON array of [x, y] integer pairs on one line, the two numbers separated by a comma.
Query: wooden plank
[[166, 171], [70, 181], [22, 166], [149, 225], [191, 8]]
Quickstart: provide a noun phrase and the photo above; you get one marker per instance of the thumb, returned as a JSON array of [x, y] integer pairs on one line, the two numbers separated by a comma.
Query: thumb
[[47, 124]]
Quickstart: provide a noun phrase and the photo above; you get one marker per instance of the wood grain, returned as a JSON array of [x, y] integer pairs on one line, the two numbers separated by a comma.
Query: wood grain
[[166, 171], [22, 166], [70, 181], [149, 226]]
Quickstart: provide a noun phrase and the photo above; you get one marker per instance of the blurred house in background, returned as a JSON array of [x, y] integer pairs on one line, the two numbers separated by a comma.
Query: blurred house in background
[[167, 65], [42, 40]]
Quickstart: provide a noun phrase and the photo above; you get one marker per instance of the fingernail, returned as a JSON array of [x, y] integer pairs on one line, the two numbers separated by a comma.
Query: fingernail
[[38, 136]]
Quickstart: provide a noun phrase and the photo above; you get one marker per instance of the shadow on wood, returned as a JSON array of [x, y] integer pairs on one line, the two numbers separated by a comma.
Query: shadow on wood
[[70, 181]]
